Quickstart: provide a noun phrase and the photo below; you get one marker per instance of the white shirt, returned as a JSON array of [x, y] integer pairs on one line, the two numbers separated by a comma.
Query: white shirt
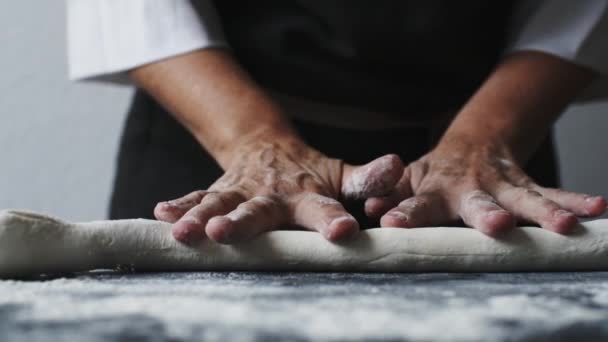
[[106, 38]]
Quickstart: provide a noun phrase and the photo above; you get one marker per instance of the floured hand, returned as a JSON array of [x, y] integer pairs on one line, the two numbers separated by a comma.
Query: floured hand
[[483, 186], [268, 186]]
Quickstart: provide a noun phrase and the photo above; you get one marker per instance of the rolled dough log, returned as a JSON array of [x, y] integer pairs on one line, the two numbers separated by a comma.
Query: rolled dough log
[[33, 244]]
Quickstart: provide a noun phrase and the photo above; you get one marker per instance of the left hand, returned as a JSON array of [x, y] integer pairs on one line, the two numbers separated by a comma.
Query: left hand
[[483, 185]]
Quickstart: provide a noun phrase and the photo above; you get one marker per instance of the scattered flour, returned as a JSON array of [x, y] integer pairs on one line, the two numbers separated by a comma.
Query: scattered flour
[[230, 306]]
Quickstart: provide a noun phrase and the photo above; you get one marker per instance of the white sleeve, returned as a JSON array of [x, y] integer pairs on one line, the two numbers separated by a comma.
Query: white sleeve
[[576, 31], [106, 38]]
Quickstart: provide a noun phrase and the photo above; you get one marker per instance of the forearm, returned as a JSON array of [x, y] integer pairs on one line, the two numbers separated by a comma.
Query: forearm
[[518, 103], [215, 100]]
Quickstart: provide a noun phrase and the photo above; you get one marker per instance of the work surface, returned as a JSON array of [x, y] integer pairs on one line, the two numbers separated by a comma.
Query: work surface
[[306, 306]]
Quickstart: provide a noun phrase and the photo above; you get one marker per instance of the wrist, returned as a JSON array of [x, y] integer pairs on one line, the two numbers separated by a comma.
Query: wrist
[[270, 138], [513, 137], [518, 103], [466, 145]]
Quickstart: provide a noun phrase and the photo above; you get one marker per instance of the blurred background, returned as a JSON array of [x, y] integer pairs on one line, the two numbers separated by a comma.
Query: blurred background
[[58, 139]]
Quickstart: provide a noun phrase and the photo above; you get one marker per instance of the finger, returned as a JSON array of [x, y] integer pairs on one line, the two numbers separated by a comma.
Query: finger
[[376, 178], [191, 227], [530, 205], [479, 210], [325, 215], [249, 219], [378, 206], [579, 204], [172, 211], [420, 211]]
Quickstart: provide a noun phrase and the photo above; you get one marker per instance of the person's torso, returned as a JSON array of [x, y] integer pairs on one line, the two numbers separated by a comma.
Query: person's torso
[[417, 57]]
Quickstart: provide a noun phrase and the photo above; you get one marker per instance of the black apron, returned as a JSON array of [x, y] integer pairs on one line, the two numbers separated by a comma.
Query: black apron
[[419, 57], [414, 57]]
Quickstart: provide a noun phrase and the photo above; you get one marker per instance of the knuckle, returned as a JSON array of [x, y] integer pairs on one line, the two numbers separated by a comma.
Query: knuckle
[[323, 202], [526, 182], [523, 194], [221, 198], [248, 205], [263, 201], [473, 183], [533, 193], [477, 195], [413, 204], [549, 205], [476, 202], [266, 205], [199, 193], [232, 196], [326, 202], [393, 161], [304, 180], [392, 157]]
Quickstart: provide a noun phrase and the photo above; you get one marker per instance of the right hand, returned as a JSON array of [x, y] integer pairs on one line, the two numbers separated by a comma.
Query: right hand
[[273, 184]]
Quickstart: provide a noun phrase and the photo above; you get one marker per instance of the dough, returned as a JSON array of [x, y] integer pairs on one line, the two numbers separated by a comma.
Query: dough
[[33, 244]]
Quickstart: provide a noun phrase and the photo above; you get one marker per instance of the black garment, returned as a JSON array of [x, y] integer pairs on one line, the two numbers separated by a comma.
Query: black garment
[[159, 160], [414, 57], [407, 57]]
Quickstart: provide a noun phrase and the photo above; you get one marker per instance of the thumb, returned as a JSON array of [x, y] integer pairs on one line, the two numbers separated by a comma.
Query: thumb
[[373, 179]]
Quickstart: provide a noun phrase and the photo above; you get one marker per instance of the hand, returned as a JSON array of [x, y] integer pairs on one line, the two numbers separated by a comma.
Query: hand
[[483, 186], [272, 185]]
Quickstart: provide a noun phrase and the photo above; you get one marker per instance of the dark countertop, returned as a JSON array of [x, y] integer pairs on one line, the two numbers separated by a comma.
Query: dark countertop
[[306, 306]]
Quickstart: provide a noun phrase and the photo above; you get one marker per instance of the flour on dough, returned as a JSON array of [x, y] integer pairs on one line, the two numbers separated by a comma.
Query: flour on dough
[[33, 244]]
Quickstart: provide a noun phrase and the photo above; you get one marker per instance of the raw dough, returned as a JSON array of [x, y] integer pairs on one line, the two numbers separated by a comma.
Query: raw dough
[[33, 244]]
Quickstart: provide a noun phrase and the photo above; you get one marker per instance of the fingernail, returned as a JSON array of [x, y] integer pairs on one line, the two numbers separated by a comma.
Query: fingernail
[[596, 206], [562, 212], [497, 213], [342, 218], [183, 236], [173, 205], [339, 234], [337, 220], [186, 234], [594, 199], [398, 215], [190, 219], [564, 221]]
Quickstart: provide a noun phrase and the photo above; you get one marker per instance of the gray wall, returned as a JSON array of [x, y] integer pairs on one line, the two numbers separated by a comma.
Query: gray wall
[[58, 139]]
